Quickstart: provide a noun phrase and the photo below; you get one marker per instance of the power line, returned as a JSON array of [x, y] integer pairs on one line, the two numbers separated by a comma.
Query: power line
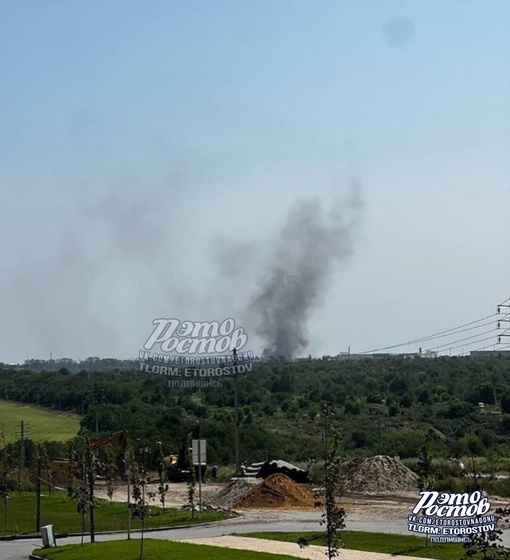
[[494, 343], [504, 319], [441, 334], [448, 344], [505, 302], [495, 348], [470, 343], [460, 343], [462, 330]]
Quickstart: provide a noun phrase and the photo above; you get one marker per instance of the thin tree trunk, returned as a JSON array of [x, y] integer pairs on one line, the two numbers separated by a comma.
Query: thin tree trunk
[[38, 492], [143, 520], [141, 539], [5, 511], [82, 527], [91, 507]]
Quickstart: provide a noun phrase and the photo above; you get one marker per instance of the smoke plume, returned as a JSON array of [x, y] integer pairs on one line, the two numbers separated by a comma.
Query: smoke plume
[[299, 270]]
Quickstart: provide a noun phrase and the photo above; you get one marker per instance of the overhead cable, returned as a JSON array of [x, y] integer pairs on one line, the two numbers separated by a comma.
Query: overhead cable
[[441, 334]]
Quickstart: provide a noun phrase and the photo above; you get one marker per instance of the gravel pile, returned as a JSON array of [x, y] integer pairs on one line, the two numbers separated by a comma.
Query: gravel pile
[[277, 491], [233, 492], [378, 475]]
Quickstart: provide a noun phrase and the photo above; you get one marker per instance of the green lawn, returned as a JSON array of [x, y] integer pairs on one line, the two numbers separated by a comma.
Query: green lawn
[[406, 545], [40, 424], [153, 550], [158, 550], [59, 511]]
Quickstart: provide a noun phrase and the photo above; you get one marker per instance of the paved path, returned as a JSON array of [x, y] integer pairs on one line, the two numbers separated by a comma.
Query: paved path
[[20, 549], [297, 522], [290, 549]]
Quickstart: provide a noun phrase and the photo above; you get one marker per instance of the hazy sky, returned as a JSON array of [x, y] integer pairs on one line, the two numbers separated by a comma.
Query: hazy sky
[[150, 152]]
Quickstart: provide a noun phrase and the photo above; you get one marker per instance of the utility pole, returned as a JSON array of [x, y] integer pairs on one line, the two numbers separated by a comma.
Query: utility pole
[[128, 473], [379, 433], [96, 409], [504, 309], [38, 490], [23, 429], [236, 415], [199, 474]]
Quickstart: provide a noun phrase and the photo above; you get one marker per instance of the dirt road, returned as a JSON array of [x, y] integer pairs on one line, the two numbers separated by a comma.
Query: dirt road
[[176, 497], [396, 507]]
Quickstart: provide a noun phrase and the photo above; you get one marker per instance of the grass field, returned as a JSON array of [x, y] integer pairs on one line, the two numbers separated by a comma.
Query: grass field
[[60, 511], [406, 545], [153, 550], [157, 550], [40, 424]]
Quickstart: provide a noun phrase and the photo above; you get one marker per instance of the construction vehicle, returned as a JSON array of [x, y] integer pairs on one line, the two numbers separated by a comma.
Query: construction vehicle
[[118, 441], [177, 467], [178, 470]]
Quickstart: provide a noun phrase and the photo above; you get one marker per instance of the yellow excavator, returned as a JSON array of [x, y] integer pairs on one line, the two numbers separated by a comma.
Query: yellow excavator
[[118, 441]]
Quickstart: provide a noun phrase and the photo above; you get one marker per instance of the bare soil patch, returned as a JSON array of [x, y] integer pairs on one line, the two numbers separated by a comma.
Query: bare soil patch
[[176, 497], [277, 491]]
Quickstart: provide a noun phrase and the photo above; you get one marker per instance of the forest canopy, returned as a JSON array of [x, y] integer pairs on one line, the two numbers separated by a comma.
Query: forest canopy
[[381, 405]]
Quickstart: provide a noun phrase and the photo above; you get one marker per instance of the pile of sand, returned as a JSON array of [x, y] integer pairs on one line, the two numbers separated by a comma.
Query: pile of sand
[[378, 475], [233, 492], [277, 491]]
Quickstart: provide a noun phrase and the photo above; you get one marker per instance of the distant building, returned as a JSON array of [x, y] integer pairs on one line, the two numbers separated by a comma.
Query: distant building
[[343, 356], [490, 354], [348, 356]]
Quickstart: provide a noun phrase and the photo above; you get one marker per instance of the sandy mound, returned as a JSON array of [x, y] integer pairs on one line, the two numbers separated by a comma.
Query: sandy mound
[[277, 491], [233, 492], [379, 474]]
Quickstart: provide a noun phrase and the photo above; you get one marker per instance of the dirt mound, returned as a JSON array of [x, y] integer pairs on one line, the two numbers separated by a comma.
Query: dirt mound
[[233, 492], [277, 491], [378, 475]]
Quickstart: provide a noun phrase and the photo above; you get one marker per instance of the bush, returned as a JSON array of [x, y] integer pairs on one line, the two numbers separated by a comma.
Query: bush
[[226, 473], [316, 473]]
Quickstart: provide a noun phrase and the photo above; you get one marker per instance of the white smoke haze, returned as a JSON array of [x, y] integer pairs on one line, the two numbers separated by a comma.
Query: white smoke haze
[[93, 281], [300, 268], [101, 280]]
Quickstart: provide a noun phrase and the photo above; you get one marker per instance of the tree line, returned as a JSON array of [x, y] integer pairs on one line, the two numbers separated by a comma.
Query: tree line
[[382, 406]]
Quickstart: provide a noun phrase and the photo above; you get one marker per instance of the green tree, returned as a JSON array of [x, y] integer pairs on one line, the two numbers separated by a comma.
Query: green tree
[[333, 517], [505, 402], [488, 546], [190, 476], [109, 468], [424, 465], [484, 392], [5, 471], [84, 470], [140, 506], [38, 485], [162, 475]]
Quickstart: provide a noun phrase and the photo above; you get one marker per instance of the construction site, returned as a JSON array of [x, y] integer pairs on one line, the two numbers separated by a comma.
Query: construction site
[[378, 487]]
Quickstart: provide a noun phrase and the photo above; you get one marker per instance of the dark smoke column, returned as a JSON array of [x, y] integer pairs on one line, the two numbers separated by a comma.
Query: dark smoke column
[[299, 270]]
